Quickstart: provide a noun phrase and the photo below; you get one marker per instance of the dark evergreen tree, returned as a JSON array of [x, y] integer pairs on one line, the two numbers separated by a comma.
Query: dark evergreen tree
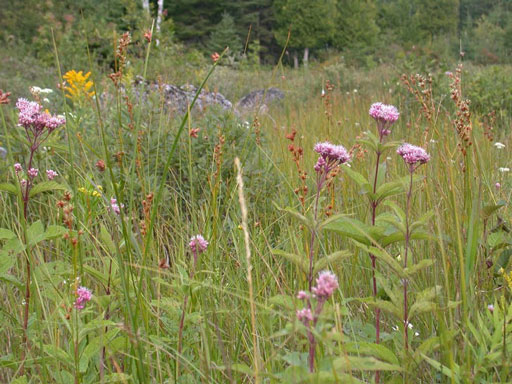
[[225, 35]]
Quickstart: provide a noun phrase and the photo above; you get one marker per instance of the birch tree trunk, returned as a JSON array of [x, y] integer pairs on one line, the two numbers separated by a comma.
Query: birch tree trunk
[[145, 5], [159, 19]]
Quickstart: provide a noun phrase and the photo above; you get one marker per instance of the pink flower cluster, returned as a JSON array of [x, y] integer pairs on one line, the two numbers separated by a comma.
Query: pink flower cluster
[[198, 244], [51, 174], [384, 113], [330, 152], [32, 116], [18, 168], [304, 315], [33, 172], [83, 296], [413, 154], [115, 206], [326, 284]]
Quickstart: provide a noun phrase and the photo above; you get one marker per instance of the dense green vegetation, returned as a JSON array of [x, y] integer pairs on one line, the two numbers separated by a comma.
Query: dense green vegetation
[[102, 277]]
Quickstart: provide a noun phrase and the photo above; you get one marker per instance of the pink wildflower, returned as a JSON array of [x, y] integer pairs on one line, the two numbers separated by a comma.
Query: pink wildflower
[[331, 152], [302, 295], [490, 307], [31, 116], [384, 113], [198, 244], [413, 154], [115, 206], [326, 284], [18, 168], [497, 185], [33, 172], [83, 295], [305, 315], [51, 174]]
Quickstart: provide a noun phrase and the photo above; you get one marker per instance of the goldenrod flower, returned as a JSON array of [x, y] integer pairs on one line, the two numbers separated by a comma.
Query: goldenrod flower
[[77, 85]]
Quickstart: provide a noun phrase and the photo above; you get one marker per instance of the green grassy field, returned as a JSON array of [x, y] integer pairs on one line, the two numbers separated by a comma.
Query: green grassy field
[[156, 316]]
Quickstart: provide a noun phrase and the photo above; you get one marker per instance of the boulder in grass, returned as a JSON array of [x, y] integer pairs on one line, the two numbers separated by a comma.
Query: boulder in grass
[[260, 98], [179, 98]]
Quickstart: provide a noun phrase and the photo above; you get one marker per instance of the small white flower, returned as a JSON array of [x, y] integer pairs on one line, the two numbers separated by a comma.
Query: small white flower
[[46, 91], [35, 90], [388, 158], [355, 90], [323, 92], [433, 141], [504, 169], [46, 100], [394, 327], [499, 145], [409, 325], [358, 124], [399, 257], [416, 334]]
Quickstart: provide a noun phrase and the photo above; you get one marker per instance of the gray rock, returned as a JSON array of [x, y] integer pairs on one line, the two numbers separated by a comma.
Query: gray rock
[[260, 98], [179, 98]]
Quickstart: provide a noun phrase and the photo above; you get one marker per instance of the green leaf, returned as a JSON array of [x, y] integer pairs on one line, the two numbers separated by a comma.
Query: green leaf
[[35, 232], [356, 230], [329, 260], [300, 262], [358, 178], [294, 213], [242, 368], [106, 239], [54, 231], [46, 186], [409, 271], [488, 210], [360, 363], [59, 354], [6, 262], [443, 369], [421, 307], [14, 245], [370, 349], [9, 188], [385, 305], [6, 234], [284, 301], [383, 256]]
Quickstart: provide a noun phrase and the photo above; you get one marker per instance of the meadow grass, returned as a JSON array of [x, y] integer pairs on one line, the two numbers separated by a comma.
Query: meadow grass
[[240, 323]]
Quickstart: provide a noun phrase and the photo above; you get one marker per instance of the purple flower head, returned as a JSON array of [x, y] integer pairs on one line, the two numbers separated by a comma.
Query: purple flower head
[[326, 284], [302, 295], [51, 174], [198, 244], [18, 168], [332, 153], [384, 113], [320, 164], [31, 116], [413, 154], [305, 315], [33, 172], [83, 295], [490, 307], [23, 183], [115, 206], [497, 185]]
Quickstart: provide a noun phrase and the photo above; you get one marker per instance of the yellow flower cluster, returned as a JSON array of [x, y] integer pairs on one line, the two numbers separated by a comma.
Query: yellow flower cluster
[[94, 193], [77, 85]]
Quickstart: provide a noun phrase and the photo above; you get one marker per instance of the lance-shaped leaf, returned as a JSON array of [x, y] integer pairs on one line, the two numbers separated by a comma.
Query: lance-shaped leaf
[[331, 259], [370, 349], [6, 234], [300, 262], [409, 271], [356, 230], [383, 256], [308, 222], [363, 363], [358, 178], [46, 186], [384, 305], [9, 188], [488, 210]]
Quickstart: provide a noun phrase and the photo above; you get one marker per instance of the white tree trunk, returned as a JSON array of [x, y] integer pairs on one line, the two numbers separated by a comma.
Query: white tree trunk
[[306, 57], [295, 60], [145, 5], [159, 18]]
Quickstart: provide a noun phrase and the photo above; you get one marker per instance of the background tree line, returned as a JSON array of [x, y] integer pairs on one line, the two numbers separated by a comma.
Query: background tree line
[[363, 30]]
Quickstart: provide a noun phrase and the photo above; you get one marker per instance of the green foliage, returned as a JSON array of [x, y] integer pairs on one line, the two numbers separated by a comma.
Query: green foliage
[[225, 35]]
